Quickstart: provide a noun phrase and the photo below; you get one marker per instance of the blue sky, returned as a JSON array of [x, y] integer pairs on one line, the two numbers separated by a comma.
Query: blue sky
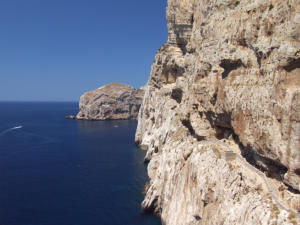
[[55, 50]]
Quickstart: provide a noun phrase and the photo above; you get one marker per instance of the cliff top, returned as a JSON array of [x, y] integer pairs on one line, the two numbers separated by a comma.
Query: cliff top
[[112, 89]]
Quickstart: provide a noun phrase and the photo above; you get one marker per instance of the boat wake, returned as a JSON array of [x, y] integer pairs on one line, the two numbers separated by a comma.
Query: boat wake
[[18, 127], [10, 129]]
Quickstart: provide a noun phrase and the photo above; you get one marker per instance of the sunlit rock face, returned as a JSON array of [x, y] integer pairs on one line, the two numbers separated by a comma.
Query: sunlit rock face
[[230, 72], [111, 102]]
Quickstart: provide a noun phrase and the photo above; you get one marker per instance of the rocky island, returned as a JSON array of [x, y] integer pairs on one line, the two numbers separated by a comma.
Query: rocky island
[[220, 119], [111, 102]]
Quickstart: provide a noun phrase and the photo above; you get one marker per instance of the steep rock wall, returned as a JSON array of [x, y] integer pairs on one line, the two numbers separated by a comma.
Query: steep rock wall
[[230, 72]]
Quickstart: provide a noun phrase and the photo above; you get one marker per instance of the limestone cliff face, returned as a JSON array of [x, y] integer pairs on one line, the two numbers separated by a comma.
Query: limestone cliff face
[[112, 101], [221, 115]]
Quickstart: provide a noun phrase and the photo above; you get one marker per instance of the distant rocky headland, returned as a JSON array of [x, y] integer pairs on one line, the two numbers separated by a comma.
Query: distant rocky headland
[[113, 101]]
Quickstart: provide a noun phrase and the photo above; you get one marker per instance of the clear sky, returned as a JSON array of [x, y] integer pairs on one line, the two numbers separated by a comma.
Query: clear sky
[[55, 50]]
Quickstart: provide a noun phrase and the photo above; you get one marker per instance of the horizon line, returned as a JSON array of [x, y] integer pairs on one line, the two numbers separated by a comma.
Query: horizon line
[[40, 101]]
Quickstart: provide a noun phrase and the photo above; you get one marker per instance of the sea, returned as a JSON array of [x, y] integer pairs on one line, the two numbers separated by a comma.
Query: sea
[[55, 171]]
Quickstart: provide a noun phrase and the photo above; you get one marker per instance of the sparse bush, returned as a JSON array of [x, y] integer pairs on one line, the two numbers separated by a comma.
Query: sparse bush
[[292, 216], [233, 3], [259, 188], [275, 210], [146, 188], [217, 152], [231, 167]]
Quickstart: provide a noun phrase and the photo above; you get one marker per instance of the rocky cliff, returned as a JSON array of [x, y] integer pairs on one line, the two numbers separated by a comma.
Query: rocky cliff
[[112, 101], [220, 119]]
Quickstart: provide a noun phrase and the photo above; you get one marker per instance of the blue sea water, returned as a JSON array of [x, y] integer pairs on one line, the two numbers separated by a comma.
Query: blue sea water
[[55, 171]]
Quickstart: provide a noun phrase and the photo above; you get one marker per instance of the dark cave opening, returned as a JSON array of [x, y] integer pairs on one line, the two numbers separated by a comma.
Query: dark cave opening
[[177, 95], [292, 65], [229, 65]]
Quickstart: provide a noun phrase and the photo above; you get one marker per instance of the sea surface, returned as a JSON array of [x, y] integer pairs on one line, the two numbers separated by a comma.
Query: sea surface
[[55, 171]]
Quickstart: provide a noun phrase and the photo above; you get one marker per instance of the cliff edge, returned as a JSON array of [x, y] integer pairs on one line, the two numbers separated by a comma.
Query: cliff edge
[[110, 102], [220, 119]]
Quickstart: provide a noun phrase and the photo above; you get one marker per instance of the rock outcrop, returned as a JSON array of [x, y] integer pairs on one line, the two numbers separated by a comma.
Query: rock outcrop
[[111, 102], [227, 82]]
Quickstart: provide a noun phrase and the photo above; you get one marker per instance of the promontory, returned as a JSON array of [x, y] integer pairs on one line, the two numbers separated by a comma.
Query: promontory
[[113, 101]]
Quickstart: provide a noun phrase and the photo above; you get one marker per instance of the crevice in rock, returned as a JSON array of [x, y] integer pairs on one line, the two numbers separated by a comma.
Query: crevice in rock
[[271, 6], [210, 116], [258, 55], [242, 42], [177, 95], [213, 100], [122, 111], [223, 132], [229, 65], [188, 125], [147, 160], [291, 189], [270, 167], [292, 65], [137, 143], [151, 208], [297, 171], [152, 120], [197, 217]]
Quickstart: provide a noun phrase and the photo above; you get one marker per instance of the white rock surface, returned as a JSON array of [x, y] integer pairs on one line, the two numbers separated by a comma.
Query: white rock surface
[[230, 71]]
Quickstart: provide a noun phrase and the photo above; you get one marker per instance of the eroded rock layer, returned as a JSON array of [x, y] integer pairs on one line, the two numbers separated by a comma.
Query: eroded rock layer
[[112, 101], [220, 119]]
